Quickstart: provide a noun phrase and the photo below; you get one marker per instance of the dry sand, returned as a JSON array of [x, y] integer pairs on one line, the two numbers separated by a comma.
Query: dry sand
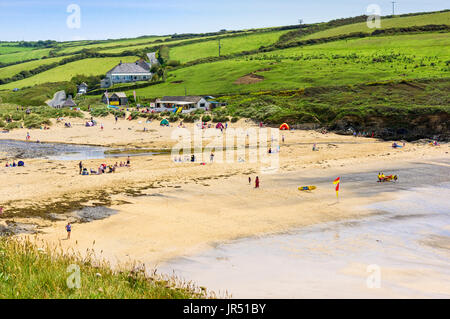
[[168, 209]]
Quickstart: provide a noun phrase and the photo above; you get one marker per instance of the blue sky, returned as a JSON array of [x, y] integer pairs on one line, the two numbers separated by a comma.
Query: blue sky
[[103, 19]]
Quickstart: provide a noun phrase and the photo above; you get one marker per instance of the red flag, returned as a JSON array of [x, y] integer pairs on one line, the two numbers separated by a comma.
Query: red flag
[[337, 183]]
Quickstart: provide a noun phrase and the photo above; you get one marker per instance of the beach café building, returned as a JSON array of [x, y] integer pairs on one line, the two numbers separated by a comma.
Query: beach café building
[[188, 103], [115, 98]]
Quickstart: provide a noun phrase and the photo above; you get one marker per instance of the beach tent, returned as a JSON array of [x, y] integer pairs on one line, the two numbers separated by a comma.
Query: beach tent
[[164, 122], [219, 125], [284, 126]]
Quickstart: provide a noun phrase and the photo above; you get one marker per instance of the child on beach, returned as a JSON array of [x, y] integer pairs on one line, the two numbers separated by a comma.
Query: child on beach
[[68, 229]]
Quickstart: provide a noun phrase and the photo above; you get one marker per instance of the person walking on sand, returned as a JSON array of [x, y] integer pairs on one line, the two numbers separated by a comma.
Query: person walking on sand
[[101, 126], [257, 182], [211, 157], [69, 230], [249, 180], [80, 165], [28, 136]]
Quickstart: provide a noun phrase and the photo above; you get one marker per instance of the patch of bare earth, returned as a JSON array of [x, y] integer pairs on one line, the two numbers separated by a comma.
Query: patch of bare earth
[[249, 79]]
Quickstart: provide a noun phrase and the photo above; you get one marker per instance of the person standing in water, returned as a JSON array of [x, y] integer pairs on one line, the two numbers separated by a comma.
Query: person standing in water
[[69, 230], [257, 182]]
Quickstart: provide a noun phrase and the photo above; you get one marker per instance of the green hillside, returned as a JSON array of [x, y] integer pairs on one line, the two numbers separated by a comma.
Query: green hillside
[[17, 68], [195, 51], [105, 45], [336, 63], [386, 23], [94, 66], [24, 55]]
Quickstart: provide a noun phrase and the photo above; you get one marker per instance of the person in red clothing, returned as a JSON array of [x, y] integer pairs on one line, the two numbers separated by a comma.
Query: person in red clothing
[[257, 182]]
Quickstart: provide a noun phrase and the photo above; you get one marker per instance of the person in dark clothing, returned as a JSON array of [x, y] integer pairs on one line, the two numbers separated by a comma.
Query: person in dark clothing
[[257, 182], [80, 165]]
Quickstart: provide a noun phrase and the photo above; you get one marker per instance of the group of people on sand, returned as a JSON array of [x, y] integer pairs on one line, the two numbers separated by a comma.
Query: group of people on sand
[[103, 168], [14, 164], [256, 181], [363, 134]]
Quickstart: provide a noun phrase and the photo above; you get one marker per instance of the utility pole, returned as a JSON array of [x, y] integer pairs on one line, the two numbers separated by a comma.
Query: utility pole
[[219, 47], [393, 7]]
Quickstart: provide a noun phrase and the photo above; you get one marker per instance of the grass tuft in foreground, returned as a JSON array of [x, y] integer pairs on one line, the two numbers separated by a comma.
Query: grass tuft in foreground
[[30, 271]]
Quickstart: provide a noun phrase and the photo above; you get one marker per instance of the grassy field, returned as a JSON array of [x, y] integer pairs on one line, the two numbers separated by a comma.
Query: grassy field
[[30, 272], [145, 45], [16, 68], [24, 55], [337, 63], [93, 66], [8, 48], [433, 45], [195, 51], [386, 23], [69, 48]]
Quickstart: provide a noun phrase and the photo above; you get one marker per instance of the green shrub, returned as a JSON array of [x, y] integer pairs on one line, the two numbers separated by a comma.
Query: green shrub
[[206, 118], [13, 125], [173, 118], [100, 111], [218, 119], [234, 119], [135, 115]]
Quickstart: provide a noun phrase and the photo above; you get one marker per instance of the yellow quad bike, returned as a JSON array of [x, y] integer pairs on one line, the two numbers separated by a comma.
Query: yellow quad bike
[[389, 178], [307, 188]]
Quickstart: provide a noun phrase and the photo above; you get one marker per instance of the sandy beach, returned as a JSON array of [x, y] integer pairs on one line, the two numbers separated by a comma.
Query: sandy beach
[[165, 209]]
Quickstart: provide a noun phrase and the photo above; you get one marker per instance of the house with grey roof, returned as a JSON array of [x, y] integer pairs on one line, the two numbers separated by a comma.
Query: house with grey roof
[[127, 72], [69, 102], [188, 103]]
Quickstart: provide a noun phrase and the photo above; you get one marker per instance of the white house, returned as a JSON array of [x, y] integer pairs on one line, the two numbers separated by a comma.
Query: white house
[[188, 103], [127, 72], [152, 59], [82, 88]]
